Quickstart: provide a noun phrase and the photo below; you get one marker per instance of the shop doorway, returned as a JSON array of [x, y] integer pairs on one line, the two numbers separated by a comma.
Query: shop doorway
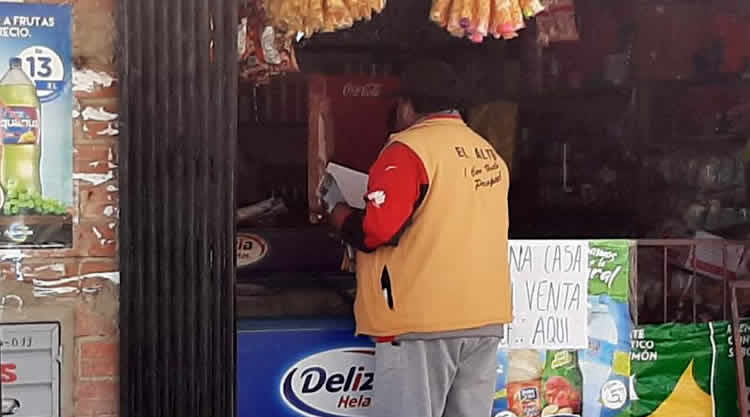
[[178, 81]]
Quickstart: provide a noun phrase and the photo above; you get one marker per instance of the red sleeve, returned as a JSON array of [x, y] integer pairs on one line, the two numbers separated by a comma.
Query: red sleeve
[[397, 184]]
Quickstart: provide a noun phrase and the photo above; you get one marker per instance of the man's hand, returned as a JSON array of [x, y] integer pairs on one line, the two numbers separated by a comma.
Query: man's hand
[[339, 215], [330, 194]]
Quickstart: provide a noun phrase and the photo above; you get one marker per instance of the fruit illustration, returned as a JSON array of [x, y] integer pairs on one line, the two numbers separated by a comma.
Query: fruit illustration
[[560, 392]]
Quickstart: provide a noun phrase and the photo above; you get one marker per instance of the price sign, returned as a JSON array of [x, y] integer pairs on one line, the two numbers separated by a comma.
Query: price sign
[[46, 69]]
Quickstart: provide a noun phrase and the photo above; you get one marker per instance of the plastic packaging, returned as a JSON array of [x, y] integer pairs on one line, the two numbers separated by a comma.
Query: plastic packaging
[[482, 19], [440, 12], [525, 383], [557, 23], [501, 18], [454, 20], [268, 51]]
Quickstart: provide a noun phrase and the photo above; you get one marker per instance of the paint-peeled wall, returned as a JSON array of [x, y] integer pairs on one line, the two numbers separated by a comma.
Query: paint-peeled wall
[[84, 279]]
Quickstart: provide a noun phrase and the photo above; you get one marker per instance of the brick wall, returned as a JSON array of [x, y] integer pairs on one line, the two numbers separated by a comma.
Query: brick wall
[[92, 262]]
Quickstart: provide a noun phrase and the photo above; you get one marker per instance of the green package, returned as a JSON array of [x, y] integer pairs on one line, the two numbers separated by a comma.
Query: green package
[[685, 370], [562, 381], [609, 263]]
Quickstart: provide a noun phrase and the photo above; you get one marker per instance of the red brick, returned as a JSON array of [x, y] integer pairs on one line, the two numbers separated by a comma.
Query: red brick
[[49, 269], [94, 265], [95, 398], [90, 323], [99, 130], [96, 238], [98, 200], [7, 271], [110, 105], [98, 359], [93, 32], [94, 158], [100, 91], [55, 253], [83, 5]]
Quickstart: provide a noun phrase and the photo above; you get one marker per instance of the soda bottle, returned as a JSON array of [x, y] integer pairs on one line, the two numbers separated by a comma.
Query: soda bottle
[[562, 383], [21, 126]]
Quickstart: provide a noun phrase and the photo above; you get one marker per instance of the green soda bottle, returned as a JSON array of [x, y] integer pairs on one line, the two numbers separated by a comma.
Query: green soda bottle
[[562, 383], [21, 127]]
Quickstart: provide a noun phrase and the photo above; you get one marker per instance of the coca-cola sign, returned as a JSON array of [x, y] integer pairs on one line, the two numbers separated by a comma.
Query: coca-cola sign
[[362, 90]]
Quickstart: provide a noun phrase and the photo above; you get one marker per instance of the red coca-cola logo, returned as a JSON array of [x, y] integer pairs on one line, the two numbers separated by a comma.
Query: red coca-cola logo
[[362, 90]]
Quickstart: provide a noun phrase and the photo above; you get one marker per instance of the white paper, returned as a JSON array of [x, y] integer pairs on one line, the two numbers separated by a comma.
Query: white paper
[[353, 184], [550, 294]]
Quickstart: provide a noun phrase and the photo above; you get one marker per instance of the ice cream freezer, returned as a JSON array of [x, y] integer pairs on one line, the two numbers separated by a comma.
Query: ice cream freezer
[[316, 366]]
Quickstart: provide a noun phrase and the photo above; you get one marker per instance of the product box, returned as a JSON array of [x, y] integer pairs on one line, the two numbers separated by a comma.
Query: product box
[[590, 383]]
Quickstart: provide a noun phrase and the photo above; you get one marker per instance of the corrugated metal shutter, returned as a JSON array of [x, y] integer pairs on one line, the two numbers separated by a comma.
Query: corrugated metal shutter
[[179, 112]]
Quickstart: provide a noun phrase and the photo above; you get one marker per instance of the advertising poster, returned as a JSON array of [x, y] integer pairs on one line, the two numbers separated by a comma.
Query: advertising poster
[[549, 378], [567, 353], [36, 107]]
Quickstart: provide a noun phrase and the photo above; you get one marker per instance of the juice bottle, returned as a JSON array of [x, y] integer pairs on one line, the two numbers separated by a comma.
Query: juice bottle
[[21, 126], [563, 382], [524, 383]]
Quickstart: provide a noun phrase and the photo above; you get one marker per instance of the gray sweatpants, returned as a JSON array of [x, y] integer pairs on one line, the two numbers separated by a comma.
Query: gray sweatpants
[[435, 378]]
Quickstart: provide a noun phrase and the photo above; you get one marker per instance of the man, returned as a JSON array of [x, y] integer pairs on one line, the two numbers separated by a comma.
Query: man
[[433, 286]]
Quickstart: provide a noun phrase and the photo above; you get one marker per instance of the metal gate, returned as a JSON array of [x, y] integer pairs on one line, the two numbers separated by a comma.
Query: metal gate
[[179, 110]]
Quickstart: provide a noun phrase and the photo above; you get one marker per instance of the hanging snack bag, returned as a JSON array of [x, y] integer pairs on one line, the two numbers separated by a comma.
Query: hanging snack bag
[[557, 23]]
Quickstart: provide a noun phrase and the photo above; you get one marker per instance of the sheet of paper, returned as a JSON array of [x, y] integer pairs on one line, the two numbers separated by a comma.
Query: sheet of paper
[[550, 294], [353, 184]]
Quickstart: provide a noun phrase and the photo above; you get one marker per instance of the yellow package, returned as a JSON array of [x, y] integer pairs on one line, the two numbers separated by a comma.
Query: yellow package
[[337, 15], [298, 23], [454, 19], [483, 17], [501, 18], [273, 9], [287, 15], [516, 15], [531, 8], [466, 16], [377, 5], [365, 11], [440, 12], [314, 19]]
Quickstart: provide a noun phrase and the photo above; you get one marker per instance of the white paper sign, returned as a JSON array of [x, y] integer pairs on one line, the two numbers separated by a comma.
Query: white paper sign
[[550, 294]]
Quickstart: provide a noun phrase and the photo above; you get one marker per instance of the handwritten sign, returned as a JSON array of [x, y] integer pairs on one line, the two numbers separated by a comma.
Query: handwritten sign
[[550, 293]]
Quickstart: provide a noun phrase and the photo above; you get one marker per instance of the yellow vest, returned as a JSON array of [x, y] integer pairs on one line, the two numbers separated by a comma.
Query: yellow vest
[[450, 268]]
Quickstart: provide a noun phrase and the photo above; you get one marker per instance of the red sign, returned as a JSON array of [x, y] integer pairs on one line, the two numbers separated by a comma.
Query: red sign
[[8, 373]]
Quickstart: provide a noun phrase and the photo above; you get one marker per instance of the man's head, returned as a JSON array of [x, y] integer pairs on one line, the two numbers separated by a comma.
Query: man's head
[[426, 87]]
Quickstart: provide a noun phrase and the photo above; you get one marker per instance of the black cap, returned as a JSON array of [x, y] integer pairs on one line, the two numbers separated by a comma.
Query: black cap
[[430, 79]]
